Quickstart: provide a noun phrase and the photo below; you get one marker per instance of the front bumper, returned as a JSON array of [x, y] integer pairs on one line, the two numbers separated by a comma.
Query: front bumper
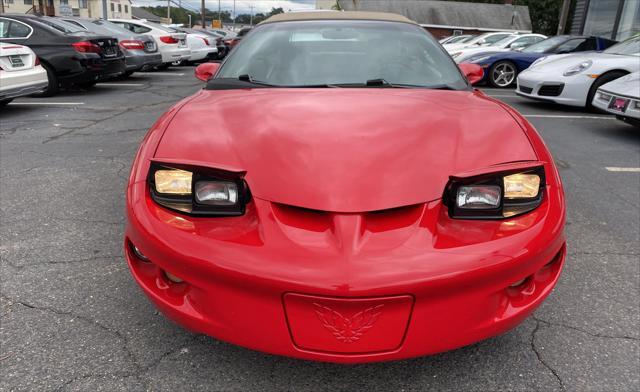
[[571, 90], [406, 282], [603, 100]]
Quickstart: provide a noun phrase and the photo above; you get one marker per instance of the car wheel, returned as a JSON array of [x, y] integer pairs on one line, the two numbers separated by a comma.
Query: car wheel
[[4, 102], [53, 87], [603, 79], [503, 74]]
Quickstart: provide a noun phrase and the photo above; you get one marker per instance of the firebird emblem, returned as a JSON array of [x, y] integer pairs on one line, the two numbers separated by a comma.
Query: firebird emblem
[[348, 329]]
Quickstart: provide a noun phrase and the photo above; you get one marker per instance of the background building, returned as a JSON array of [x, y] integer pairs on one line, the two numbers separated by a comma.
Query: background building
[[615, 19], [84, 8], [444, 18]]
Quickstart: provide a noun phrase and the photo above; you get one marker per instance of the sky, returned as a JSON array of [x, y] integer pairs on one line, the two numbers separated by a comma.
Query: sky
[[242, 6]]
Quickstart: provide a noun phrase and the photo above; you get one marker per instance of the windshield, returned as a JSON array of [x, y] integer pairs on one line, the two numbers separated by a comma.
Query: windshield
[[160, 27], [60, 25], [628, 47], [544, 46], [111, 27], [505, 41], [330, 52]]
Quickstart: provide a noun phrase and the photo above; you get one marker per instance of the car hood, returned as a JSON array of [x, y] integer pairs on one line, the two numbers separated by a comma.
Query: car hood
[[628, 85], [564, 61], [344, 150]]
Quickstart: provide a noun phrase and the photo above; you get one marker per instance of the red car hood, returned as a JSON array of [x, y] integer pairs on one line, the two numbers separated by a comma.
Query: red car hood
[[344, 150]]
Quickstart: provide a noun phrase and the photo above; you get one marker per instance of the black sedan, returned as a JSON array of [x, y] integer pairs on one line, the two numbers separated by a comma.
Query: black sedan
[[72, 57]]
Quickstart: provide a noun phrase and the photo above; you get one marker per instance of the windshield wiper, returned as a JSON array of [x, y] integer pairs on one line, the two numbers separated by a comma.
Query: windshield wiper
[[248, 78]]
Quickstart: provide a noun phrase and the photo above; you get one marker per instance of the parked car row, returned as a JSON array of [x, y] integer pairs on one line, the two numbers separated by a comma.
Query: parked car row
[[79, 52]]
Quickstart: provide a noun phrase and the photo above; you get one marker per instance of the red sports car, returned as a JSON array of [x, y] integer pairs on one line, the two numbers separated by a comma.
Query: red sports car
[[339, 192]]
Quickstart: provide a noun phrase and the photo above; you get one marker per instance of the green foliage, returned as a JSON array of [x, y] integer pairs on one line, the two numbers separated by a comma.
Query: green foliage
[[180, 15]]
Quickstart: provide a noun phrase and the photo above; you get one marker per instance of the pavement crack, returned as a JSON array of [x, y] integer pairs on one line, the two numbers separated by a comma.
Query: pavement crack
[[595, 335], [539, 356]]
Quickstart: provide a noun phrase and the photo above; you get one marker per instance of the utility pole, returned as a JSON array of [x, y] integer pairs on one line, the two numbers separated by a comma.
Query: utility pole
[[2, 6], [204, 24], [168, 10], [251, 19], [564, 14], [234, 15], [219, 16], [104, 10], [189, 15]]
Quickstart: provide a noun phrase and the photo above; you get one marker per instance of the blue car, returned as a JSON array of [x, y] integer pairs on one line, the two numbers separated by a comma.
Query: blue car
[[502, 68]]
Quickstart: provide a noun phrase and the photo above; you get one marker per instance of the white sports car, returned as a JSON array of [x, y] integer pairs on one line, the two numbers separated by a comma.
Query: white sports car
[[20, 73], [573, 79], [621, 97], [513, 42], [478, 41]]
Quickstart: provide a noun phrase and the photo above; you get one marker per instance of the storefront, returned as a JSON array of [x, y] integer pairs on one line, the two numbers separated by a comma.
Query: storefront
[[615, 19]]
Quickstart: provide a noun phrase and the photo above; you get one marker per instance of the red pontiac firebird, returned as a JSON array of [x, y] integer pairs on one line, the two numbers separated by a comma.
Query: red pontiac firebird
[[339, 192]]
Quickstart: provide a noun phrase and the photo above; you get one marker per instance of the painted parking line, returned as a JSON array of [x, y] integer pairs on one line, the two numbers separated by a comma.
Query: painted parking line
[[569, 116], [503, 96], [46, 103], [162, 73], [121, 84], [623, 169]]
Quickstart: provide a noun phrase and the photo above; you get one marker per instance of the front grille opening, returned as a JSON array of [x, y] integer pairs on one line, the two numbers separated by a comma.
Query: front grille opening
[[551, 90]]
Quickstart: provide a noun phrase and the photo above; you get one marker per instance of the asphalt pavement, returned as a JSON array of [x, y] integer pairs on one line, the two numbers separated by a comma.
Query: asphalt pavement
[[72, 318]]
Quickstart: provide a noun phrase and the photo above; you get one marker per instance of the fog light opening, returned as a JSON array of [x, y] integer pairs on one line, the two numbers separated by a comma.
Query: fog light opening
[[518, 283], [172, 277], [138, 253]]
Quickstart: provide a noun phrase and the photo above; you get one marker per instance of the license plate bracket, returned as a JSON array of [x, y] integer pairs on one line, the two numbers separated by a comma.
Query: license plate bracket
[[16, 61]]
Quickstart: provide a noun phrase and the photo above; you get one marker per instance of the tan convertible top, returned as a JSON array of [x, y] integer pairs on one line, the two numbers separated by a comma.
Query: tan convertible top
[[337, 15]]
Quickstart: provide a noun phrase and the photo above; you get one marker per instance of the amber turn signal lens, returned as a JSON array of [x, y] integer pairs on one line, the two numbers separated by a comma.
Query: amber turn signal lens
[[521, 186], [173, 181]]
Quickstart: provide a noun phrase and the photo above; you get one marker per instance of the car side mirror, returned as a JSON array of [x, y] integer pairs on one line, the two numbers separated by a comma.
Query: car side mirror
[[473, 72], [205, 71]]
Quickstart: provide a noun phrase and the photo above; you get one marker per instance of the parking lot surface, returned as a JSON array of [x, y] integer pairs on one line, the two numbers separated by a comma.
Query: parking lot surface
[[72, 317]]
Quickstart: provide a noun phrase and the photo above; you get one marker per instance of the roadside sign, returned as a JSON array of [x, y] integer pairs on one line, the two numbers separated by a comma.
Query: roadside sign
[[216, 24]]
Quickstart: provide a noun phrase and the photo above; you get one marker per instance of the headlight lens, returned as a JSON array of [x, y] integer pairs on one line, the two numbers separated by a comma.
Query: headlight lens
[[216, 193], [576, 69], [478, 197], [173, 181], [198, 190], [495, 195], [519, 186]]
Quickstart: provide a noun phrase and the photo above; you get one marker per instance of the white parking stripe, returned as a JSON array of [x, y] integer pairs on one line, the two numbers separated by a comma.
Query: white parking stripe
[[568, 116], [121, 84], [623, 169], [503, 96], [47, 103], [162, 73]]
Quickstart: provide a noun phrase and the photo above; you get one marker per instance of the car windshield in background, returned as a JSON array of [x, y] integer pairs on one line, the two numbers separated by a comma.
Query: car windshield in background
[[629, 47], [60, 25], [161, 27], [335, 53], [544, 46], [111, 27]]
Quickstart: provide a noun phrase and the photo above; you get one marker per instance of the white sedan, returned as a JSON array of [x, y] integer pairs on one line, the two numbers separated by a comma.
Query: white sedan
[[513, 42], [621, 97], [477, 41], [573, 79], [20, 73]]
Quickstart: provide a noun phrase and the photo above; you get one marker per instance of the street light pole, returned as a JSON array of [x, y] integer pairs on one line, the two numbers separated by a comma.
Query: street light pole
[[234, 14], [168, 10], [251, 19], [189, 15], [204, 24], [104, 10]]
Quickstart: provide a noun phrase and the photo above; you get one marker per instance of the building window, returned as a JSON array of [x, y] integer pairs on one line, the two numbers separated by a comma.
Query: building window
[[83, 3], [64, 2], [9, 1], [629, 20], [113, 7], [126, 9], [601, 17], [28, 2], [119, 7]]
